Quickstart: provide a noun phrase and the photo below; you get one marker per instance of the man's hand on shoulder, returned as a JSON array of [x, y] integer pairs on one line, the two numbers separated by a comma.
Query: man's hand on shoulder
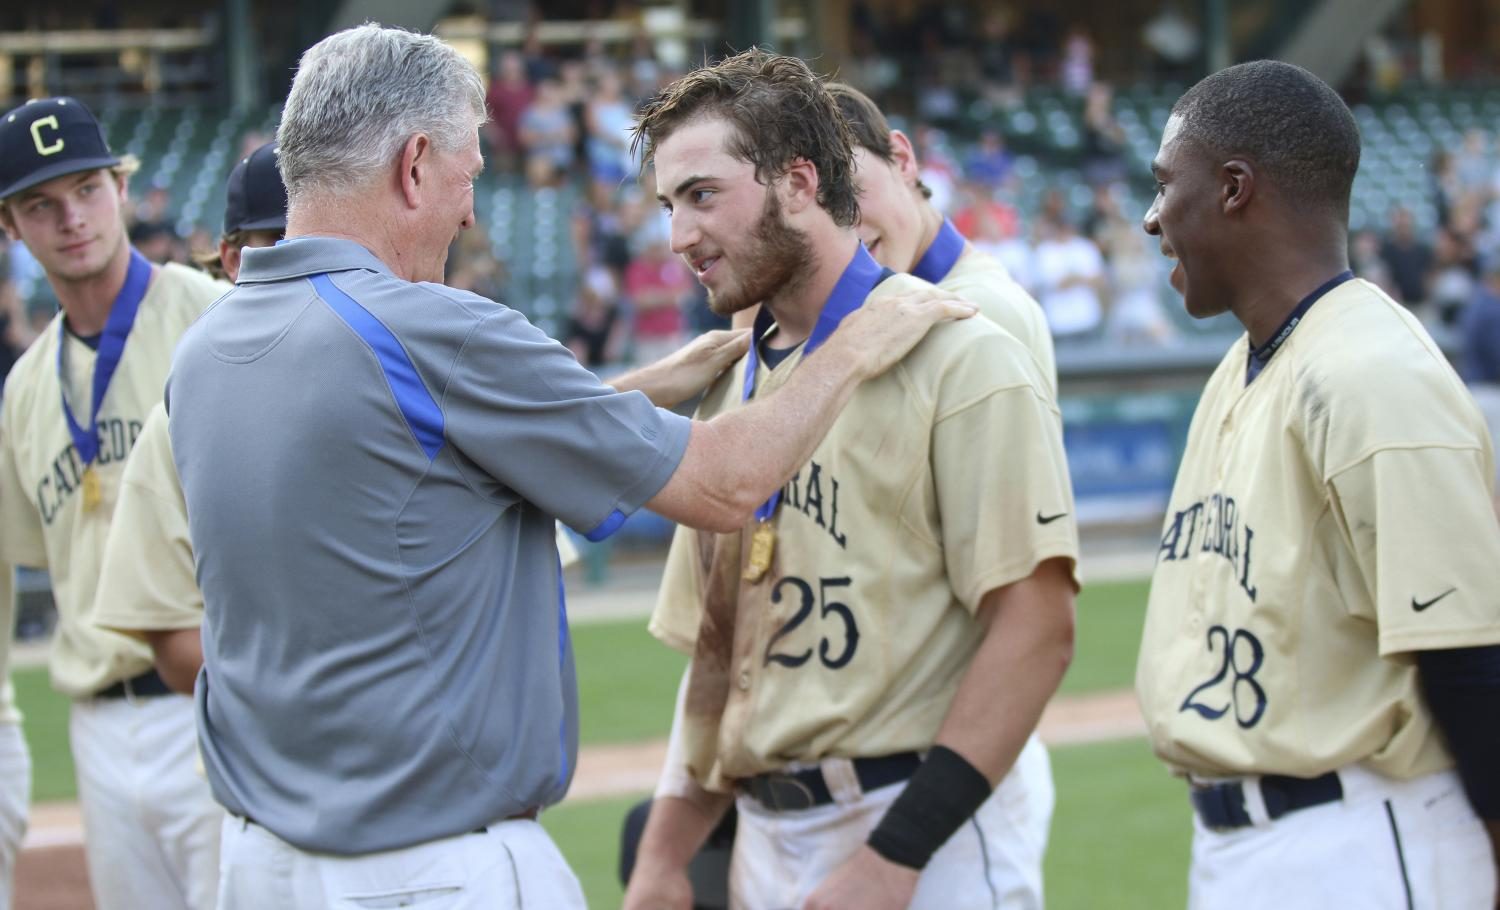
[[865, 881], [688, 370], [877, 335]]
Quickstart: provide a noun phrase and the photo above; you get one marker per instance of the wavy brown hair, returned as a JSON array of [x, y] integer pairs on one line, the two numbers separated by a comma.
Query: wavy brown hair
[[780, 110]]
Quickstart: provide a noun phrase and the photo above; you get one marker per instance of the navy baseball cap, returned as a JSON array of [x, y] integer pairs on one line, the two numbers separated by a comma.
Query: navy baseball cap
[[255, 196], [46, 138]]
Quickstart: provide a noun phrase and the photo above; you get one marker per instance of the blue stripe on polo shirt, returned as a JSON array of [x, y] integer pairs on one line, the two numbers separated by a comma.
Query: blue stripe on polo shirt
[[422, 413], [562, 665], [606, 527]]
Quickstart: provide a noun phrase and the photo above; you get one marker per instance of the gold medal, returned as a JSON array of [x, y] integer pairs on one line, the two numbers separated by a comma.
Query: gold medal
[[91, 492], [762, 545]]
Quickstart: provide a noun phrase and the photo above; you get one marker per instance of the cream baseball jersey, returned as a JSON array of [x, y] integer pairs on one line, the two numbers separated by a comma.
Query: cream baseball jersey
[[147, 580], [45, 520], [1329, 518], [940, 481], [980, 278]]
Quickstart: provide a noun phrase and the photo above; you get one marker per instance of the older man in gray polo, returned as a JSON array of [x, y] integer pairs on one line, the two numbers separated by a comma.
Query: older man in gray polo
[[372, 463]]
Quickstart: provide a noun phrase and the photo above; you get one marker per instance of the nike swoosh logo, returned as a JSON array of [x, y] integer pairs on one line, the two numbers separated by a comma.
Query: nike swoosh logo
[[1419, 607], [1048, 519]]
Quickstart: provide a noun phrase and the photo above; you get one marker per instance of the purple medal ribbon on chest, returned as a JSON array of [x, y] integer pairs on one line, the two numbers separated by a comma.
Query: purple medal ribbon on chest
[[938, 261], [854, 285], [111, 348]]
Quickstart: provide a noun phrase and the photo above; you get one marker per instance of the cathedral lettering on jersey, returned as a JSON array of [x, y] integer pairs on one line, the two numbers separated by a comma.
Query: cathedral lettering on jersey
[[809, 499], [1218, 519], [116, 438]]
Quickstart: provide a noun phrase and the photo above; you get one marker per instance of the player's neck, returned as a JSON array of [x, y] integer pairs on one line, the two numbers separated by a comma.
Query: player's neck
[[86, 302], [932, 222], [796, 312], [1264, 312]]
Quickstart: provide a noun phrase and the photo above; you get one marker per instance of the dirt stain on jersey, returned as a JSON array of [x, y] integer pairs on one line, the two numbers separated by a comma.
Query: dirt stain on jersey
[[708, 681]]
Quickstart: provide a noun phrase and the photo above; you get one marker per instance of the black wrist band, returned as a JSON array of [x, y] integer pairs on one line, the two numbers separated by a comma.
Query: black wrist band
[[943, 794]]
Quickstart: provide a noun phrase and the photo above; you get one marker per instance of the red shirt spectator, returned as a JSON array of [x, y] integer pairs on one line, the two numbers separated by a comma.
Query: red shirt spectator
[[656, 282], [508, 97]]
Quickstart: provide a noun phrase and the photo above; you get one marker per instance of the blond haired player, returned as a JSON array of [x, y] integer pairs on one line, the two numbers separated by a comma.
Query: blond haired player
[[891, 602], [74, 405], [904, 231], [1319, 657]]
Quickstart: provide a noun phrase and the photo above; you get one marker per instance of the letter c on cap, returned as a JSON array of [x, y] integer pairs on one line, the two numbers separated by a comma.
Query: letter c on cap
[[42, 147]]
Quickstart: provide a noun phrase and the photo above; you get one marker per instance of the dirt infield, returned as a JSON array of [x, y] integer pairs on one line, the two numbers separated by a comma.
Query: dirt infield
[[52, 878], [51, 874]]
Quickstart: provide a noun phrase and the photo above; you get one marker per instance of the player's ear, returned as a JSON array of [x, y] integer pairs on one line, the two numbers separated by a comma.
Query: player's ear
[[122, 185], [1237, 185], [416, 155], [904, 157], [8, 223], [229, 259], [799, 185]]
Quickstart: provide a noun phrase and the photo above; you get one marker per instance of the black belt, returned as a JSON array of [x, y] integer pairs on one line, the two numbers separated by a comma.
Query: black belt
[[148, 683], [527, 814], [1222, 806], [790, 790]]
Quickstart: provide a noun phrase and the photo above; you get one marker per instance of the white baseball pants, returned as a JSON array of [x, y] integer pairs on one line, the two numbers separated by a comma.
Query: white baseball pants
[[151, 827], [15, 800], [1387, 845], [512, 865], [993, 862]]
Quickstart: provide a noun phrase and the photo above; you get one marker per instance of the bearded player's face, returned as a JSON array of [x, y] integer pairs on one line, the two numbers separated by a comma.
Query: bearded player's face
[[727, 226]]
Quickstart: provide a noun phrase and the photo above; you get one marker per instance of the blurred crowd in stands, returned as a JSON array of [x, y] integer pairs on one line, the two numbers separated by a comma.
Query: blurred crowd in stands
[[560, 120]]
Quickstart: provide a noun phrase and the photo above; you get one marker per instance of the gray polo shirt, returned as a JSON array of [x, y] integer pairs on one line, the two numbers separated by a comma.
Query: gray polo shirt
[[371, 469]]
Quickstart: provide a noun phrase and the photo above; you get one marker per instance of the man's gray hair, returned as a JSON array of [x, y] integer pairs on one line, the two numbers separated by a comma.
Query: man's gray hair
[[360, 94]]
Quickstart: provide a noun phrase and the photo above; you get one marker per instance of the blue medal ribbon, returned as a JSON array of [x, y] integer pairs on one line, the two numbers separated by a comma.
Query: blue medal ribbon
[[938, 261], [111, 347], [854, 285]]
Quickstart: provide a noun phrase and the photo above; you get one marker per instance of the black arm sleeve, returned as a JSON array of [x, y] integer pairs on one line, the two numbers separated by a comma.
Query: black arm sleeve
[[1462, 687]]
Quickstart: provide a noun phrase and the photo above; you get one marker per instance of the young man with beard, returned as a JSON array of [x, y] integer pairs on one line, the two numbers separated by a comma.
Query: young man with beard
[[74, 406], [872, 653], [1321, 654], [904, 232]]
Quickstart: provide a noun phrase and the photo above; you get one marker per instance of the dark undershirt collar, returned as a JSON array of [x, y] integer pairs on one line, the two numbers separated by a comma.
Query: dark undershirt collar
[[1258, 357]]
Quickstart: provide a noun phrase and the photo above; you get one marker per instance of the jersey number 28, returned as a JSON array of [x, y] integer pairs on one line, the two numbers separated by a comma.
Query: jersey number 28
[[1243, 685]]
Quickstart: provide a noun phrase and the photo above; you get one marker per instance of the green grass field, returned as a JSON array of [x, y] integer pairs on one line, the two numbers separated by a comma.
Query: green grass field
[[1119, 836]]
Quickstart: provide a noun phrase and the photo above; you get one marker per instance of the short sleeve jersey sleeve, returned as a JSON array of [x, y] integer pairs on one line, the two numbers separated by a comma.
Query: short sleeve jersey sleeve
[[1423, 533], [520, 406], [1004, 496], [1408, 469]]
